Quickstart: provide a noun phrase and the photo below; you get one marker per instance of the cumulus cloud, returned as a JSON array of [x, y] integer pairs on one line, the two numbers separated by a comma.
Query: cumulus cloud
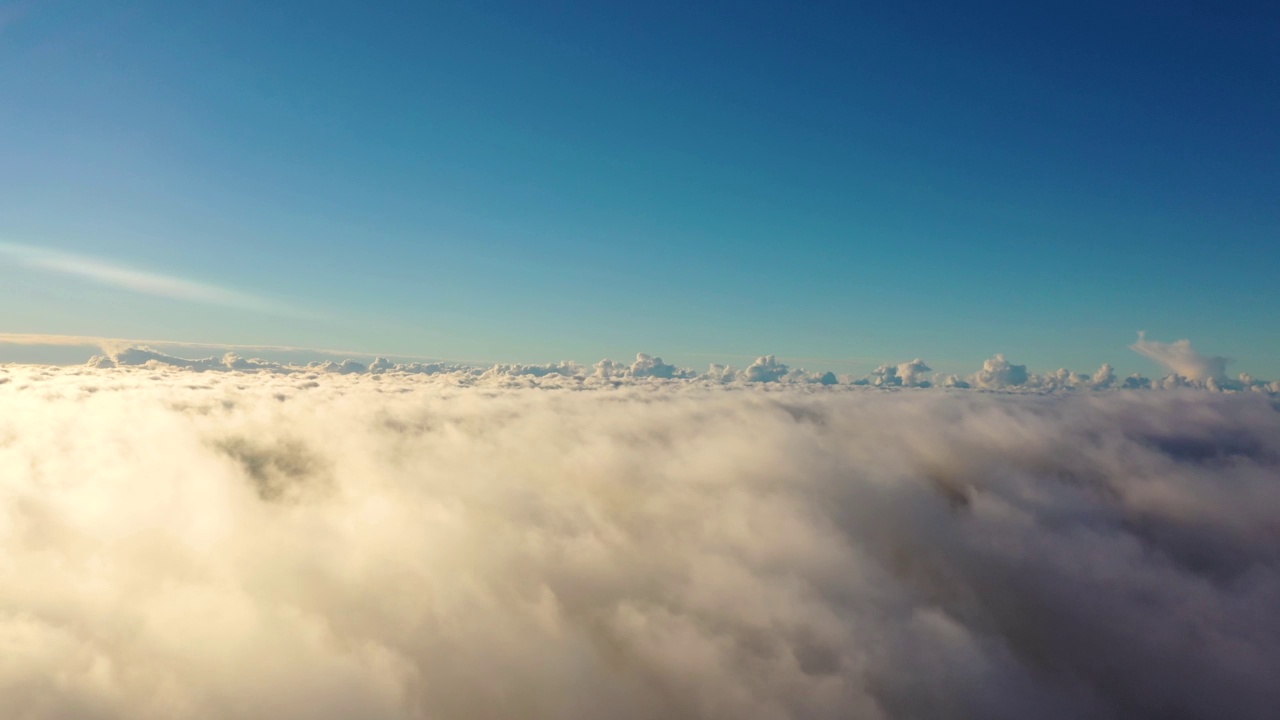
[[998, 372], [765, 369], [649, 366], [1104, 378], [645, 366], [382, 544], [907, 374], [1180, 359]]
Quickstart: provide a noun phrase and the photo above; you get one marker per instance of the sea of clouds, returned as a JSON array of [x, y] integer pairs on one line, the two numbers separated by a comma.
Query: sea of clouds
[[633, 541]]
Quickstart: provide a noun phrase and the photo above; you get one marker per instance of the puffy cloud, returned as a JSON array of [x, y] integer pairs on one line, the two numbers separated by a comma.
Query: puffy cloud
[[907, 374], [912, 373], [998, 372], [142, 356], [1104, 378], [346, 367], [645, 366], [232, 361], [721, 373], [1181, 359], [765, 369], [564, 369], [1136, 382], [392, 545], [649, 366]]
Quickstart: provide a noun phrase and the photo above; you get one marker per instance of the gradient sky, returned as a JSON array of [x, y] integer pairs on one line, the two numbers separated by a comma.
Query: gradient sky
[[840, 184]]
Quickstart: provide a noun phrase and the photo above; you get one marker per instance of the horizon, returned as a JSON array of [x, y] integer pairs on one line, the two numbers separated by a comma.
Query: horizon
[[1179, 363]]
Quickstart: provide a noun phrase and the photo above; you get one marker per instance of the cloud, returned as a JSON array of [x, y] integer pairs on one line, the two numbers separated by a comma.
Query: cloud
[[765, 369], [650, 366], [645, 366], [185, 544], [907, 374], [48, 349], [999, 373], [139, 281], [1181, 359]]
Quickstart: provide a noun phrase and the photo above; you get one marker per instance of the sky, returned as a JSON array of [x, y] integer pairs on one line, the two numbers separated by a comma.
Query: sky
[[840, 184]]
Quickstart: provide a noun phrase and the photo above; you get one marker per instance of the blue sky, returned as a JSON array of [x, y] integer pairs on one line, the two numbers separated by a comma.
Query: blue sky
[[839, 184]]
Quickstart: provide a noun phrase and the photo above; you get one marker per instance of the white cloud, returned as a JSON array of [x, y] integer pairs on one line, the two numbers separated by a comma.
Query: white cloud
[[906, 374], [140, 281], [177, 544], [1181, 359], [1104, 378], [765, 369], [645, 366], [997, 373]]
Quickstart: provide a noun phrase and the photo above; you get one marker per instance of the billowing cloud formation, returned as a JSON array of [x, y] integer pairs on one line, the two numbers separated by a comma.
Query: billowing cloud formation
[[997, 373], [907, 374], [314, 544], [645, 366], [1182, 360], [765, 369]]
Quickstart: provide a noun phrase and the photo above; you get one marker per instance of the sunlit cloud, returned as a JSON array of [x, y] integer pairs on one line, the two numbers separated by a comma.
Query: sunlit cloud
[[1180, 358], [396, 546], [140, 281]]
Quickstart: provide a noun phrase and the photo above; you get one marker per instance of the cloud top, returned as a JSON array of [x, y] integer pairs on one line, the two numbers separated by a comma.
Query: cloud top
[[997, 373], [383, 544], [1181, 359], [1187, 367]]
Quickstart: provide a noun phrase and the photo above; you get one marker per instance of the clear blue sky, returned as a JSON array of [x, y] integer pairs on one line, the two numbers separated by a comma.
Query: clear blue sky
[[533, 181]]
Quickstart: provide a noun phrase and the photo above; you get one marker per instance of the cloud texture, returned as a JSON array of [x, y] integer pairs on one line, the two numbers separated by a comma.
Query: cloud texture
[[176, 544], [1182, 360]]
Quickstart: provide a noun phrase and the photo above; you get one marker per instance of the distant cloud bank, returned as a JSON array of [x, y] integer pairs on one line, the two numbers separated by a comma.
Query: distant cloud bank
[[1186, 368]]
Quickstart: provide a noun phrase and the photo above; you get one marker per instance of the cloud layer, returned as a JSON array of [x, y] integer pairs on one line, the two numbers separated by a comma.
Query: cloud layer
[[1186, 367], [375, 543], [997, 373]]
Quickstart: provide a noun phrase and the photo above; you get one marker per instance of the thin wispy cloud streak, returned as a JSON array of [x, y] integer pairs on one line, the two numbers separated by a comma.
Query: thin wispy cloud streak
[[143, 282]]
